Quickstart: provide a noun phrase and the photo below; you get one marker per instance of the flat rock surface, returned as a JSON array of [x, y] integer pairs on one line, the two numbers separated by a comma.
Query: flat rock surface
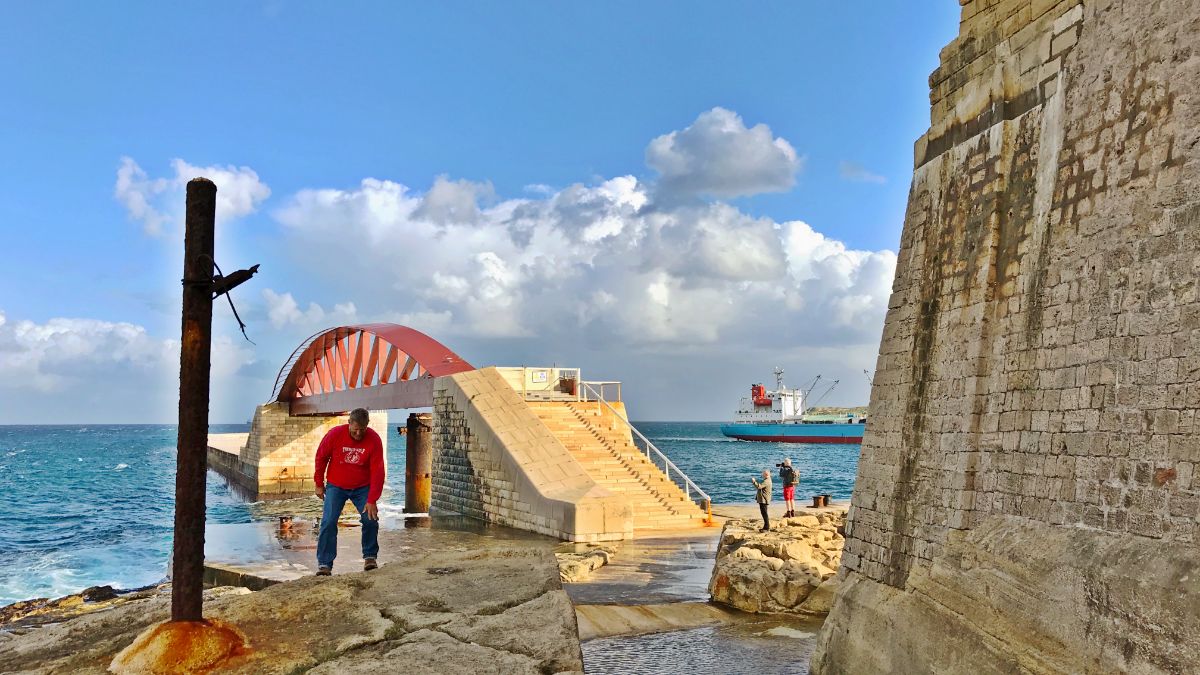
[[597, 621], [657, 569], [455, 609]]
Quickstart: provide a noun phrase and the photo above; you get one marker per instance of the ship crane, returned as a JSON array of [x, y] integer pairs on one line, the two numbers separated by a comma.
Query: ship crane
[[808, 392], [826, 393]]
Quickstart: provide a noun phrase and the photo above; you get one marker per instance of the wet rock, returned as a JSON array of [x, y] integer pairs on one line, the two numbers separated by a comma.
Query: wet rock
[[779, 571], [576, 566], [43, 611], [98, 593]]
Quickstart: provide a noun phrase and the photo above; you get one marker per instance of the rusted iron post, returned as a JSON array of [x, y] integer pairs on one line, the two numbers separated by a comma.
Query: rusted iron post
[[418, 463], [187, 581]]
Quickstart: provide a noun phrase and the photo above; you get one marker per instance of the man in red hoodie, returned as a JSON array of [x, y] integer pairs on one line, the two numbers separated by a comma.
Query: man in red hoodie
[[349, 466]]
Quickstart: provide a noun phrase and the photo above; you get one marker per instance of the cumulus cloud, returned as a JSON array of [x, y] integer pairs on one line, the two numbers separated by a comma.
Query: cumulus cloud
[[77, 370], [453, 201], [283, 310], [65, 352], [605, 263], [853, 171], [658, 275], [157, 201], [48, 356], [720, 157]]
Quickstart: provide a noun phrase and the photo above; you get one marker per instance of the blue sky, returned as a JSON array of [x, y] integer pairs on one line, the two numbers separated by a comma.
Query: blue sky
[[552, 182]]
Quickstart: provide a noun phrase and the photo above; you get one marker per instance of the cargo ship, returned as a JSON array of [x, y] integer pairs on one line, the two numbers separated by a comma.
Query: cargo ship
[[780, 416]]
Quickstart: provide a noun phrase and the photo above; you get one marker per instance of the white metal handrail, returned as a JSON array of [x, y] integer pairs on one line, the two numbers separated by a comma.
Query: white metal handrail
[[668, 465], [597, 387]]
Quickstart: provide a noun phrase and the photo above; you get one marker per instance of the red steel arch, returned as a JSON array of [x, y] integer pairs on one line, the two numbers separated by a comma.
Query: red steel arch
[[376, 366]]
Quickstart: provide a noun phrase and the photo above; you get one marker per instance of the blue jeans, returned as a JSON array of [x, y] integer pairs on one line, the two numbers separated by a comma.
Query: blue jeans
[[335, 500]]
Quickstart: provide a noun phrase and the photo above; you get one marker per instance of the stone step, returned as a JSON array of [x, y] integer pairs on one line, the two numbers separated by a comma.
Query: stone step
[[603, 446]]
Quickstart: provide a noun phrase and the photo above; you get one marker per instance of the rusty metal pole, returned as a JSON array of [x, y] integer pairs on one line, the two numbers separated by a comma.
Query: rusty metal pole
[[418, 463], [187, 581]]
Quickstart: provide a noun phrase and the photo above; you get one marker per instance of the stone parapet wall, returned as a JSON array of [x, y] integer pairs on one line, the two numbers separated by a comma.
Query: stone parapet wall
[[1041, 354], [1005, 62], [494, 460]]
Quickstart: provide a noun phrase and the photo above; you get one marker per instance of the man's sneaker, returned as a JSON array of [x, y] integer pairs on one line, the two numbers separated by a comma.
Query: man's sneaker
[[369, 564], [324, 571]]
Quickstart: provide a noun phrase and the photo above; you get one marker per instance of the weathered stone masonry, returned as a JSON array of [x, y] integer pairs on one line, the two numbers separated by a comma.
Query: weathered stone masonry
[[493, 459], [1039, 371]]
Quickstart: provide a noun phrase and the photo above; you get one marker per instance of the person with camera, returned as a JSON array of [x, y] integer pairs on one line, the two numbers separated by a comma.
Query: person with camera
[[790, 478], [763, 497]]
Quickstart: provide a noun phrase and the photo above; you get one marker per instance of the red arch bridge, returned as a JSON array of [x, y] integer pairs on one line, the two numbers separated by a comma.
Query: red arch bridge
[[378, 366]]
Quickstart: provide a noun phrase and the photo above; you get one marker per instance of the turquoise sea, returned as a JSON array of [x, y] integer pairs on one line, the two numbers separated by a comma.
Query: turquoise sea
[[92, 505]]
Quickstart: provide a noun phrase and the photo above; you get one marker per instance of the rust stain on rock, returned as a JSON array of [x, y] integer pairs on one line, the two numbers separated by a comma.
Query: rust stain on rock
[[1163, 476], [178, 647]]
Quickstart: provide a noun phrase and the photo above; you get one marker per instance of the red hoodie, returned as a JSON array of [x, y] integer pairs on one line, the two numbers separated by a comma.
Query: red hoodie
[[352, 464]]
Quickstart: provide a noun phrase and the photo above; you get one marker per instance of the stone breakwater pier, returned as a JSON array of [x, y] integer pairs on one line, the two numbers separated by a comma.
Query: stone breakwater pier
[[535, 449], [1028, 484]]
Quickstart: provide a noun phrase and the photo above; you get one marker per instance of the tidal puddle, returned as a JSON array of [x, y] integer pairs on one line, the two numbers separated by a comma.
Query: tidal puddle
[[756, 645]]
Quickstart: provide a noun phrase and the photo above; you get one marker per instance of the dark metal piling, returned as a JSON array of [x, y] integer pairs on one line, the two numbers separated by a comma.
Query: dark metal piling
[[187, 581]]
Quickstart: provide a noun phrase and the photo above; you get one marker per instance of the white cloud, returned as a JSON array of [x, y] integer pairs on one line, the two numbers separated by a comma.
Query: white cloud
[[283, 310], [63, 354], [376, 209], [51, 355], [156, 202], [135, 190], [456, 201], [73, 369], [718, 156], [603, 263], [853, 171], [624, 273], [539, 189]]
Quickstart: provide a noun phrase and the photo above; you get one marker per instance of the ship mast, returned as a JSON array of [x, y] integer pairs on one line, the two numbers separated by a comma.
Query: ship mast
[[780, 392]]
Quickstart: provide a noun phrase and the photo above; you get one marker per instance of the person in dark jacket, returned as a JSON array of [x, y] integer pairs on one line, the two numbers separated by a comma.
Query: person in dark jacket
[[763, 497], [789, 478]]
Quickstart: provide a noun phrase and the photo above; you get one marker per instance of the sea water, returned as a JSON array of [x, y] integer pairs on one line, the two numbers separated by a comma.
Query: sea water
[[723, 467], [91, 505]]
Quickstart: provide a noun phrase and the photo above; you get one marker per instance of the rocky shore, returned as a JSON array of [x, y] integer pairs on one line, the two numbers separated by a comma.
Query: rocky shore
[[459, 609], [790, 569]]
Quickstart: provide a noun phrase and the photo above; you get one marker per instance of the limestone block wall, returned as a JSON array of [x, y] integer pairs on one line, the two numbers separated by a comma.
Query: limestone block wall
[[1040, 364], [493, 459]]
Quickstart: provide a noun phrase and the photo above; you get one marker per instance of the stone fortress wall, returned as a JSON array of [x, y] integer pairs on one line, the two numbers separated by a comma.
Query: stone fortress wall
[[1027, 480]]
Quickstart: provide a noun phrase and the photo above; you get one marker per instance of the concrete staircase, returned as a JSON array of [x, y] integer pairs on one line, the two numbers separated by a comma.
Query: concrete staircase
[[604, 446]]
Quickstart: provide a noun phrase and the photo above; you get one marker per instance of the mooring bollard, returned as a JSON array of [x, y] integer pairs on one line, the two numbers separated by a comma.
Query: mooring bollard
[[418, 463]]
